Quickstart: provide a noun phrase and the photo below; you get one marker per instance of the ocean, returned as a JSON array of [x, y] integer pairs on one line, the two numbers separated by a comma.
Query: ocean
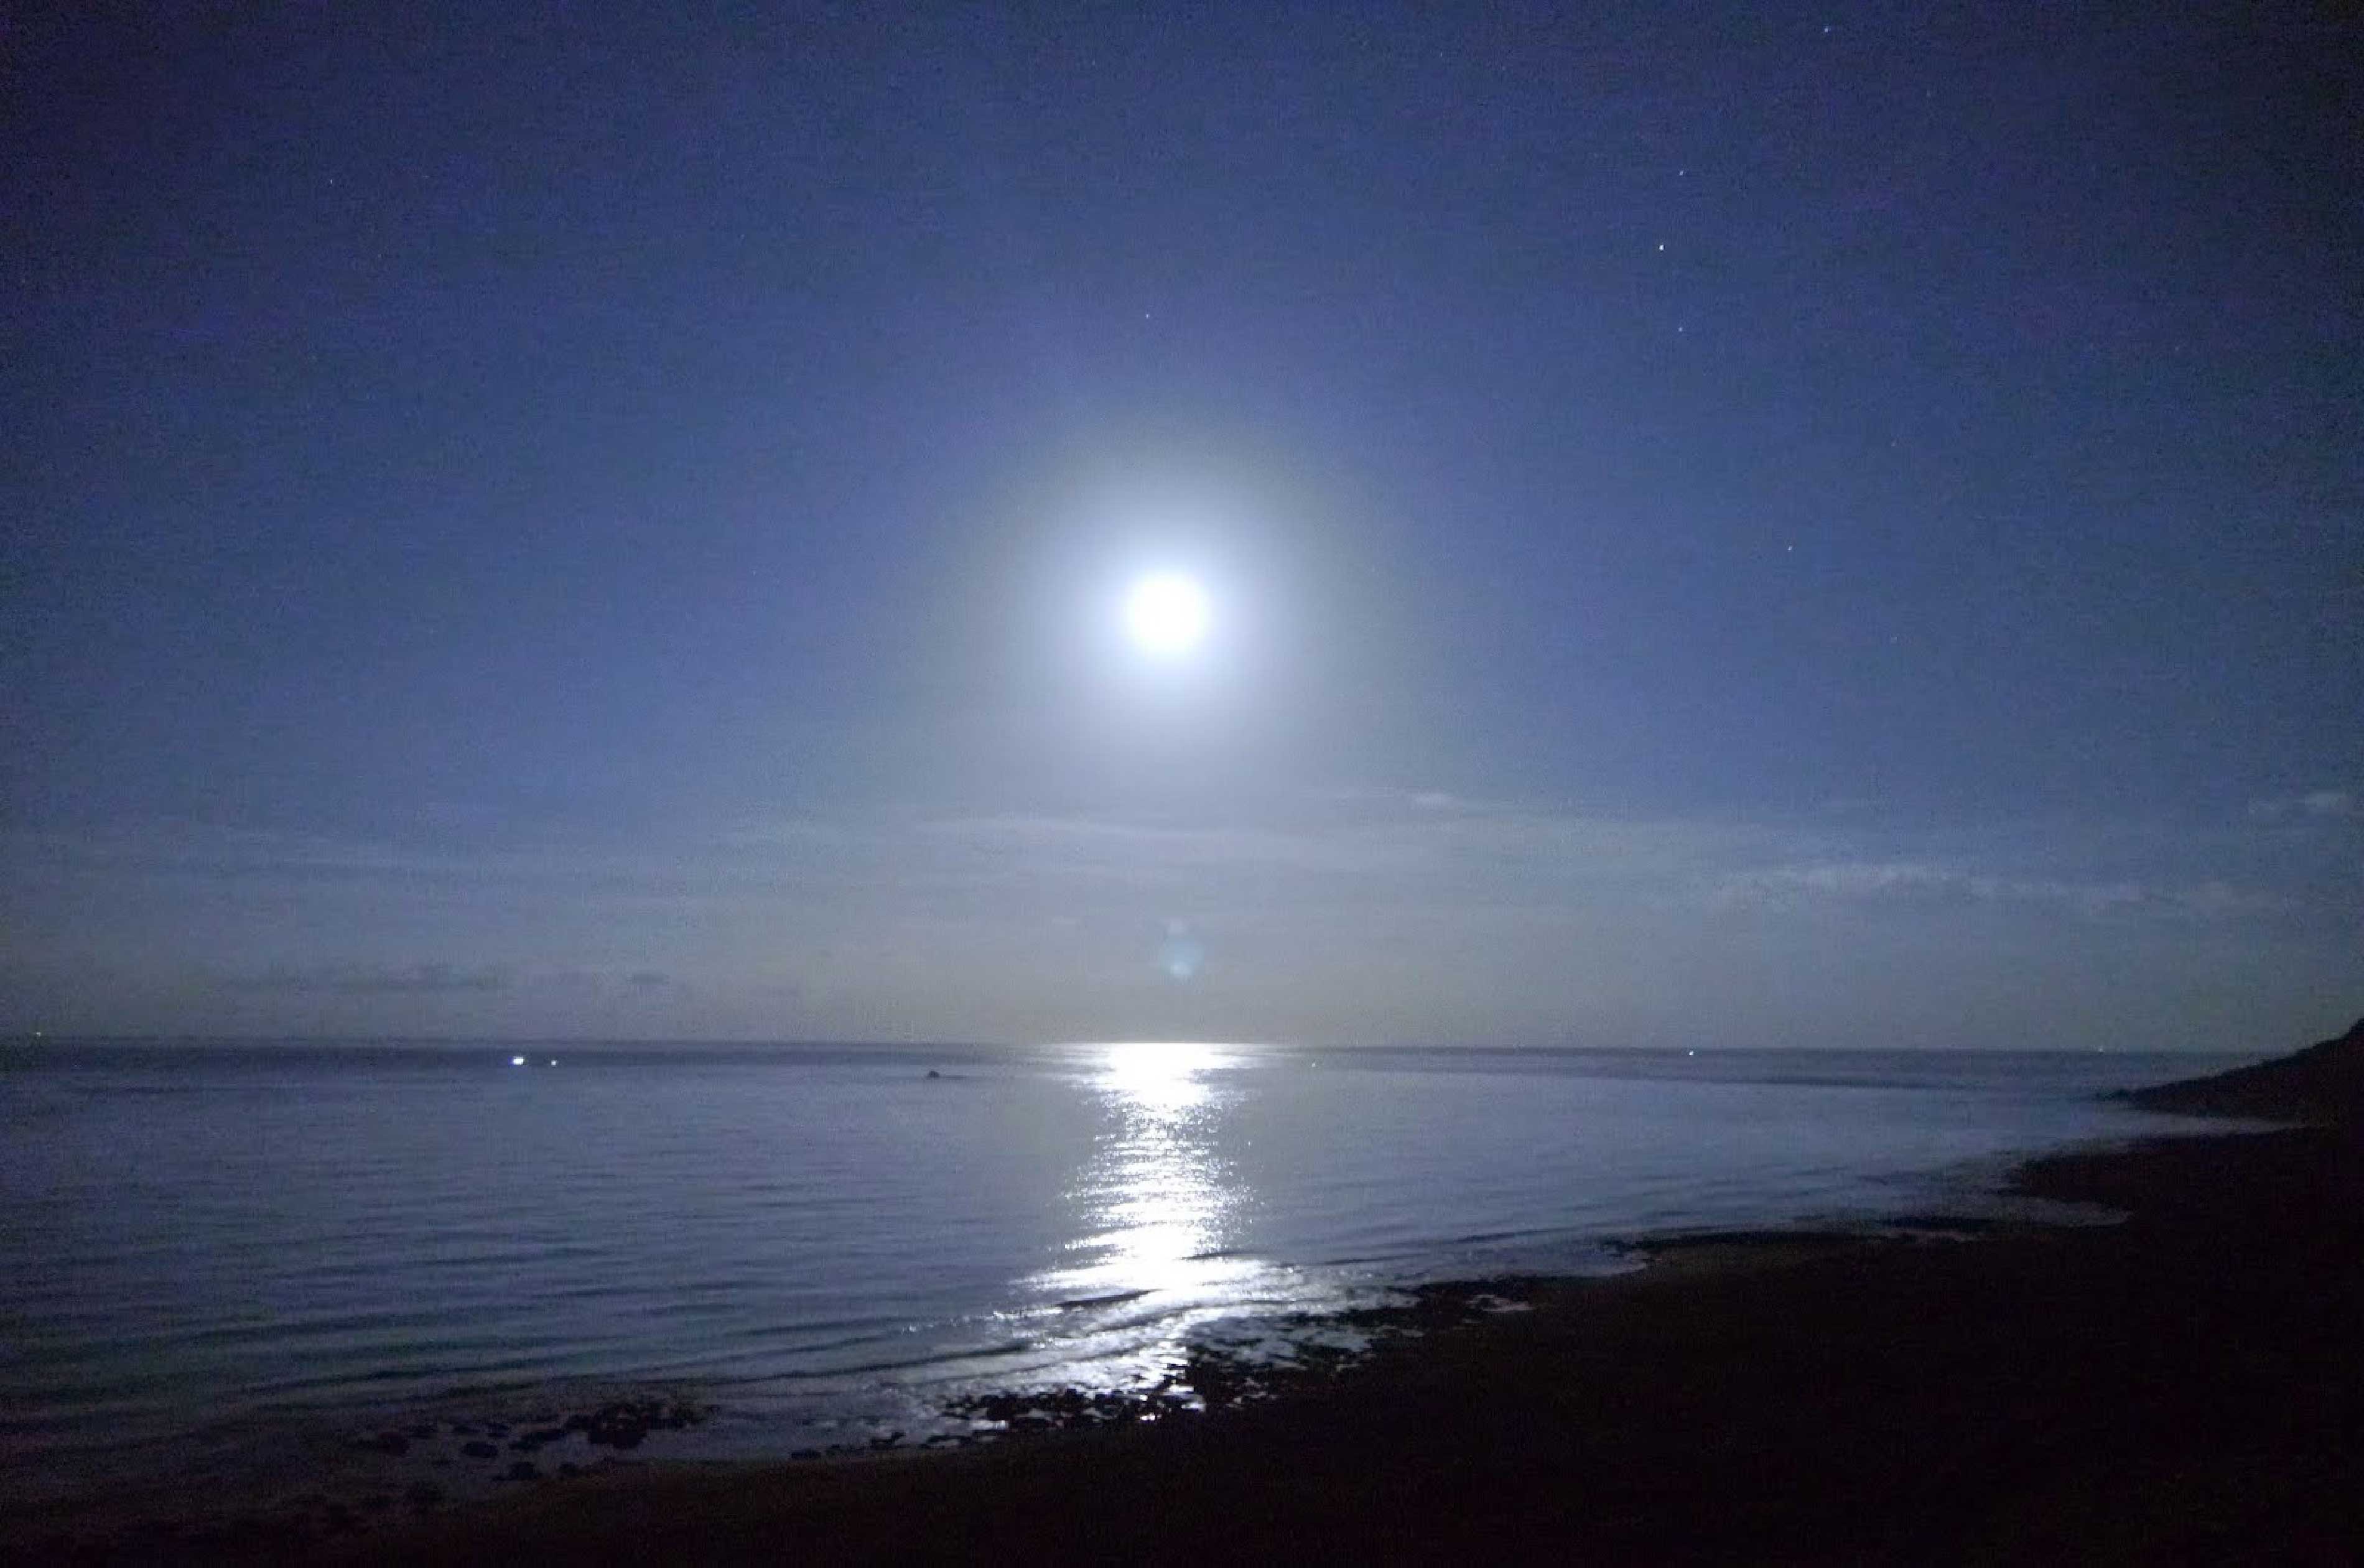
[[250, 1269]]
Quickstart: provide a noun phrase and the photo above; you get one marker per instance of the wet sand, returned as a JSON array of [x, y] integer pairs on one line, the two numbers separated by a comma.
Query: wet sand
[[2185, 1387]]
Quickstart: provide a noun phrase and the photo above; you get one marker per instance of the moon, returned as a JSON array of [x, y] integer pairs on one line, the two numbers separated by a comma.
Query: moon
[[1166, 614]]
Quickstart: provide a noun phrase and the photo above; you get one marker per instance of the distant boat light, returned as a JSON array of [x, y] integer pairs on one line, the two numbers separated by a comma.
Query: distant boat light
[[517, 1061]]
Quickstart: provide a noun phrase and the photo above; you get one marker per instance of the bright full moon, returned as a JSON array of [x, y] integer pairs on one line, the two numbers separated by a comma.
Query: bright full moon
[[1166, 615]]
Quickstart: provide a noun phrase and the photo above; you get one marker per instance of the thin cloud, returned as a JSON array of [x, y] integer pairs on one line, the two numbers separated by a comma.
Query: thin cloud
[[1925, 884], [364, 980], [2317, 805]]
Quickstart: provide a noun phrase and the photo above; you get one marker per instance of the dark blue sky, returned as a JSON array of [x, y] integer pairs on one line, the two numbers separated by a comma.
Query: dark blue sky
[[1727, 524]]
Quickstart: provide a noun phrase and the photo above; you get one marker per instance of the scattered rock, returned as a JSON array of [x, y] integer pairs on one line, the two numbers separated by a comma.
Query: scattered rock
[[480, 1450], [1043, 1410], [626, 1422]]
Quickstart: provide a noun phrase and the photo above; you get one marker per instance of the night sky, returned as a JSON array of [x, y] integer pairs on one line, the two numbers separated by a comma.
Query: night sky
[[1720, 525]]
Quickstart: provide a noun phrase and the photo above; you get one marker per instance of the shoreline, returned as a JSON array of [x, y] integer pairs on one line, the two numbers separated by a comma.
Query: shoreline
[[2187, 1380]]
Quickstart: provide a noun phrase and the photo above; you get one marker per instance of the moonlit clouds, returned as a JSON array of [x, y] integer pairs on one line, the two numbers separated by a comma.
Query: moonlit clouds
[[2319, 806], [1333, 916]]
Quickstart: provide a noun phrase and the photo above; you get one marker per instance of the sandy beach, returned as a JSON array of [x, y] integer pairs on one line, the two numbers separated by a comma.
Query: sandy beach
[[2184, 1386]]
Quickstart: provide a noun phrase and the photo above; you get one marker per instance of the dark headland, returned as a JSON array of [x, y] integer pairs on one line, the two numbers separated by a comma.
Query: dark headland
[[2185, 1387], [2324, 1083]]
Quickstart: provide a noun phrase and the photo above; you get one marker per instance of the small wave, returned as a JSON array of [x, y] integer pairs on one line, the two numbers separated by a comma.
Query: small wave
[[1113, 1298], [1516, 1233], [947, 1360]]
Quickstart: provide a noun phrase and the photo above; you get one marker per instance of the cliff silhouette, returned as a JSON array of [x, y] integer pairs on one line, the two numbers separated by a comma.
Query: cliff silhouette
[[2323, 1083]]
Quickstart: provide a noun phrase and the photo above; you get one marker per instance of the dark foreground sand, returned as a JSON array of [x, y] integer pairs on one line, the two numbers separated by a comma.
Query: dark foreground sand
[[2185, 1387]]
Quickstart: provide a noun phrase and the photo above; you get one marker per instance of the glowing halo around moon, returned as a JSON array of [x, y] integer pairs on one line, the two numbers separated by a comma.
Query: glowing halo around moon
[[1166, 615]]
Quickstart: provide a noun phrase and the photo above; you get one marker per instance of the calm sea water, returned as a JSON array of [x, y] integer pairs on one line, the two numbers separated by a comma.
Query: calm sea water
[[211, 1253]]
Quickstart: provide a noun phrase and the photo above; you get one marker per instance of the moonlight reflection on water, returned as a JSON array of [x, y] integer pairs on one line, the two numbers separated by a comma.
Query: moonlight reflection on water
[[1156, 1205]]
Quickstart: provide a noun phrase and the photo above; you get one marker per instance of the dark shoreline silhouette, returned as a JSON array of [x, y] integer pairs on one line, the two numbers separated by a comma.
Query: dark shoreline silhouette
[[2324, 1084]]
